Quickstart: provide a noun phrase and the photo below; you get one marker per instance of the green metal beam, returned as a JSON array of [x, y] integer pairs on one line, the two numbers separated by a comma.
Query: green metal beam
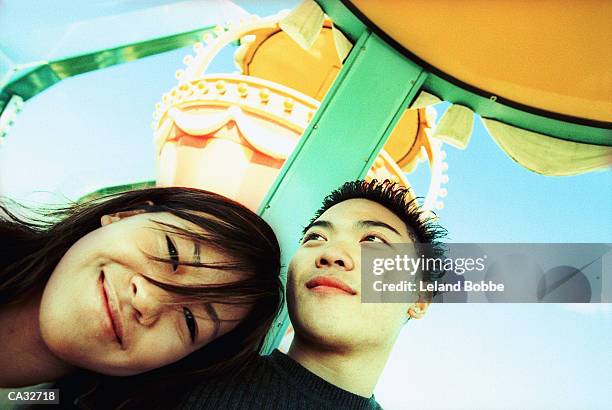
[[350, 24], [490, 108], [115, 190], [349, 129], [485, 104], [30, 79]]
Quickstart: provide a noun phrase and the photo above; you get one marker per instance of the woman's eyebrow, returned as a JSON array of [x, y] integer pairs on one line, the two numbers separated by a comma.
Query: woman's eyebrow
[[212, 313], [196, 253]]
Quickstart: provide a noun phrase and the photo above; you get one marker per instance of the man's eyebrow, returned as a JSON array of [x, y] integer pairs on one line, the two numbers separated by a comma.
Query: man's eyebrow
[[379, 224], [321, 224]]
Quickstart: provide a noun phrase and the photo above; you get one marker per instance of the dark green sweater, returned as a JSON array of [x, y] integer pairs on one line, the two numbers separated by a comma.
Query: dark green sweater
[[273, 382]]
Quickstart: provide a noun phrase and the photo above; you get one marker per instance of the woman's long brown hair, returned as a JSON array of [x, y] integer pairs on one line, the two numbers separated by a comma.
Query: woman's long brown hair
[[30, 249]]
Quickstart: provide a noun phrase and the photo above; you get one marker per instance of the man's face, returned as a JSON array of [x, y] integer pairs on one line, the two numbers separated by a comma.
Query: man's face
[[324, 279]]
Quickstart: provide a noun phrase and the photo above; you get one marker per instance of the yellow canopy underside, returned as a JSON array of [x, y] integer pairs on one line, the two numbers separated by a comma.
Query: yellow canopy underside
[[554, 55]]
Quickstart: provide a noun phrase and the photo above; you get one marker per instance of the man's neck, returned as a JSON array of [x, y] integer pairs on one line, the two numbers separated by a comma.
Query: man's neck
[[26, 359], [351, 370]]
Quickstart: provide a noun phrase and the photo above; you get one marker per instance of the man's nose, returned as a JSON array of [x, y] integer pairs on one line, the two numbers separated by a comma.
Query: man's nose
[[145, 300], [335, 256]]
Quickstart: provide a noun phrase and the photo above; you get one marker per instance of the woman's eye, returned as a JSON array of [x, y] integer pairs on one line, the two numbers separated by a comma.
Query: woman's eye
[[313, 237], [373, 238], [173, 252], [191, 323]]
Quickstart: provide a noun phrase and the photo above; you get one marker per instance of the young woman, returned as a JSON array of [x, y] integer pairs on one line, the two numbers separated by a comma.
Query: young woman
[[158, 285]]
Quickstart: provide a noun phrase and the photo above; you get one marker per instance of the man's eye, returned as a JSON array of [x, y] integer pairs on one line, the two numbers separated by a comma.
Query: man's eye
[[313, 237], [191, 323], [373, 238], [173, 252]]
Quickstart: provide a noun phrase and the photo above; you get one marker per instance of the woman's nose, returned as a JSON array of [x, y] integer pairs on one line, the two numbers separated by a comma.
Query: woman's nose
[[335, 256], [145, 300]]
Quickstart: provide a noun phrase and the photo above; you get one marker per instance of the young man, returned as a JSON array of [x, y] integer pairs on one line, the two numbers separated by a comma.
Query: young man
[[341, 345]]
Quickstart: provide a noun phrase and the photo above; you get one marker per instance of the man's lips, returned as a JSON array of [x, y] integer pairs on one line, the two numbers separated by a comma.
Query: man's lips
[[327, 282], [111, 310]]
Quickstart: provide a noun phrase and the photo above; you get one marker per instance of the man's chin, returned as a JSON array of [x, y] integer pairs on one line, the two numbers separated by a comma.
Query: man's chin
[[326, 331]]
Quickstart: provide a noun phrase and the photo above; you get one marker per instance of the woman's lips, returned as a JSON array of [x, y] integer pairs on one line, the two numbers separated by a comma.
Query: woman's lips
[[110, 307], [329, 284]]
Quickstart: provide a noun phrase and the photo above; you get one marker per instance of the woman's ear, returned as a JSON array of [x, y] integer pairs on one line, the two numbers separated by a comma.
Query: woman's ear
[[117, 216]]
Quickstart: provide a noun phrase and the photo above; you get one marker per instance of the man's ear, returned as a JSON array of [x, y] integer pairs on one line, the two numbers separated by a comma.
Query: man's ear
[[418, 309], [117, 216]]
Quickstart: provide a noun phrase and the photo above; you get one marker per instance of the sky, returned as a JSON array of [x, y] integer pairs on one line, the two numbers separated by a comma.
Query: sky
[[93, 131]]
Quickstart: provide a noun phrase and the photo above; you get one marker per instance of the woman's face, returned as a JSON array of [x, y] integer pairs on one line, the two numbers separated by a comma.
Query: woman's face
[[100, 313]]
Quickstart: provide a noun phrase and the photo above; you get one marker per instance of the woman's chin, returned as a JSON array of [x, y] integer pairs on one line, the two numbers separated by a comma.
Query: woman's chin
[[110, 370], [109, 366]]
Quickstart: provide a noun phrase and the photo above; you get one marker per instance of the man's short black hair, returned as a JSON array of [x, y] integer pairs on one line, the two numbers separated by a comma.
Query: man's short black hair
[[396, 198], [392, 196]]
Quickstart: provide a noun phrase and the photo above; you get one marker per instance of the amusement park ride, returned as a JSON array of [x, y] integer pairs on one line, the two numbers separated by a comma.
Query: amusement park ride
[[337, 90]]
